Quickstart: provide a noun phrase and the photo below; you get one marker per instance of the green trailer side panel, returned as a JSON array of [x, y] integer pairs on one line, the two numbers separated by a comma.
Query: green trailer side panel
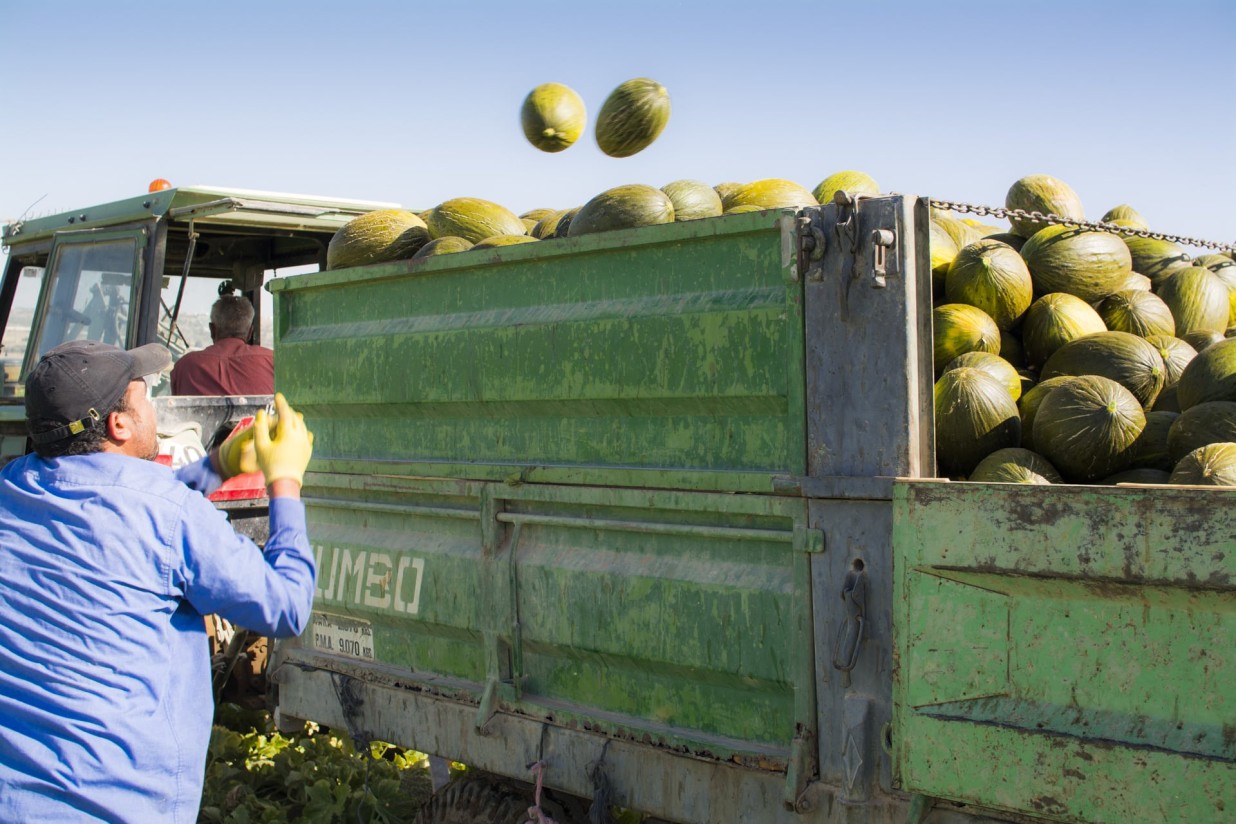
[[604, 359], [1076, 642], [675, 617]]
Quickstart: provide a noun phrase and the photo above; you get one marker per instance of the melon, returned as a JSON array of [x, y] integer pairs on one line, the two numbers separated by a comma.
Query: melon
[[1227, 275], [1045, 194], [503, 240], [1008, 239], [1176, 355], [974, 417], [1152, 445], [552, 117], [958, 328], [962, 234], [1198, 300], [992, 276], [770, 193], [1139, 313], [1015, 465], [1156, 259], [623, 207], [1211, 376], [994, 365], [1131, 361], [1088, 428], [1127, 214], [376, 237], [943, 252], [1052, 321], [473, 219], [851, 181], [632, 117], [725, 189], [1028, 405], [1213, 465], [692, 199], [1202, 425], [443, 246], [1136, 282], [1090, 265]]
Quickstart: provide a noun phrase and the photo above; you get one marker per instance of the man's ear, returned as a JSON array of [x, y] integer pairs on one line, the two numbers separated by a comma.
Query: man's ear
[[119, 428]]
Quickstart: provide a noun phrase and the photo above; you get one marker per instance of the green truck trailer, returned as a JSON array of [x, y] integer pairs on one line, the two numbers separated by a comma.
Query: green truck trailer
[[651, 515]]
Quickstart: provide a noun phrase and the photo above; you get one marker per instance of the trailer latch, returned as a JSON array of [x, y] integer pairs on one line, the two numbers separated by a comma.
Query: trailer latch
[[881, 241], [850, 631]]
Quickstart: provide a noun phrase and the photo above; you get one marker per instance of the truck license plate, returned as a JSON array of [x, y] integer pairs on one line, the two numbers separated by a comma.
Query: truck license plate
[[343, 636]]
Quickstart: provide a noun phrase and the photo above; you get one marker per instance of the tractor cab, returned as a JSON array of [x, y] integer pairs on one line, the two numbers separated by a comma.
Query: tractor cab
[[147, 269]]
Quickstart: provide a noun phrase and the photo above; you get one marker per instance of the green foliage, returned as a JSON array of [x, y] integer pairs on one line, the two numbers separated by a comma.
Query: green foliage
[[260, 776]]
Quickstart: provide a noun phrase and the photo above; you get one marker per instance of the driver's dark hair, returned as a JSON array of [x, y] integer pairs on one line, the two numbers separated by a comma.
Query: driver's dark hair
[[86, 442]]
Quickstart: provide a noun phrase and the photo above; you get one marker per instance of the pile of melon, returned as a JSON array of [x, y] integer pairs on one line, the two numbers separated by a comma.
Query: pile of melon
[[464, 223], [1062, 354], [1070, 355]]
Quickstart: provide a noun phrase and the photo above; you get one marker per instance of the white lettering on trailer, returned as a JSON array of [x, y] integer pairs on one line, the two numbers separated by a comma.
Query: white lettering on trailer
[[370, 578]]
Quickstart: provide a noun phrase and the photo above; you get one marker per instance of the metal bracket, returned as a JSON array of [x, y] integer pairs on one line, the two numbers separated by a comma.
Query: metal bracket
[[849, 639], [812, 243], [486, 709], [881, 240], [798, 773]]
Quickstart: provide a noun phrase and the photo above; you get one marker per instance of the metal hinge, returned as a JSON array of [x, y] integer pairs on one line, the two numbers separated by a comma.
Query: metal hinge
[[812, 243]]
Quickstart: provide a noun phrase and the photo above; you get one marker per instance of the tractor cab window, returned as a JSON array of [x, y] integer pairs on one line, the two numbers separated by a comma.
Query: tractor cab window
[[88, 293]]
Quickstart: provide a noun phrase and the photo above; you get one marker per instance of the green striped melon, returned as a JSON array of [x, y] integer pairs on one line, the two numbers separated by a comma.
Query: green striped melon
[[770, 193], [1052, 321], [1088, 264], [623, 207], [693, 199], [443, 246], [1045, 194], [1131, 361], [1088, 428], [1015, 465], [849, 180], [1211, 376], [552, 117], [376, 237], [473, 219], [1213, 465], [974, 417], [992, 276], [1139, 313], [632, 117], [1198, 300], [958, 328]]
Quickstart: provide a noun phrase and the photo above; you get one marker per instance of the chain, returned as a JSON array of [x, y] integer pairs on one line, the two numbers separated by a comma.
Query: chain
[[1098, 226]]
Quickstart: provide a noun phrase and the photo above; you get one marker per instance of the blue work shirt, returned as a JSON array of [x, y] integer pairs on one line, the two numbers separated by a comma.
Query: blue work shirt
[[107, 565]]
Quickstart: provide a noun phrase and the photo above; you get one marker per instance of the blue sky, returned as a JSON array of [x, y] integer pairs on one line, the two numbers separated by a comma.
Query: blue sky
[[418, 102]]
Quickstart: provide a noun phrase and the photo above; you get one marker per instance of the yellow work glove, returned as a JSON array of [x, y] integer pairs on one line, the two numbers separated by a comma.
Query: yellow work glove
[[237, 455], [283, 451]]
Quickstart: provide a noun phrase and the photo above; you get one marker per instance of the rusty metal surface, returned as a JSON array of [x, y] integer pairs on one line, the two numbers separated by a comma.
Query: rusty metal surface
[[1074, 640]]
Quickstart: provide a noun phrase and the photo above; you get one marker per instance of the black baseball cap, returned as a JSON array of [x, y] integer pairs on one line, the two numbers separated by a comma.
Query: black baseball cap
[[79, 381]]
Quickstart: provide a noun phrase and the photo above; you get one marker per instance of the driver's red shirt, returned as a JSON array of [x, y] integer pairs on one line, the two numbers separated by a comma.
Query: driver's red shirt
[[229, 367]]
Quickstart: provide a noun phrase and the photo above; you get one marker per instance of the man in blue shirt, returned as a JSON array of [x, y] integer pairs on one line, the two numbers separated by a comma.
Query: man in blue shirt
[[108, 561]]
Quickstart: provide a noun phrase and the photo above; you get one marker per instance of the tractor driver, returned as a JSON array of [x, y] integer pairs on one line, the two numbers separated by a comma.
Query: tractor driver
[[109, 561], [230, 365]]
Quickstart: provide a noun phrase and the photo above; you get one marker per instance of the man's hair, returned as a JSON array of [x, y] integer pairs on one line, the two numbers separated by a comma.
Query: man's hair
[[86, 442], [232, 316]]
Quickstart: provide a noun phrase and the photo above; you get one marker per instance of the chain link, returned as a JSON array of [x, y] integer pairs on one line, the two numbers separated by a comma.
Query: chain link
[[1098, 226]]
